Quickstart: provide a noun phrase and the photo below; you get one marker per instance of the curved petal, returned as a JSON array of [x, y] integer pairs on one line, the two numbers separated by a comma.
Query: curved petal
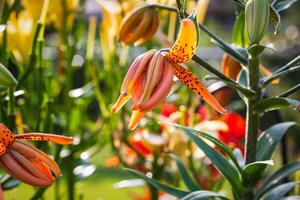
[[192, 82], [58, 139], [16, 170], [30, 166], [33, 153]]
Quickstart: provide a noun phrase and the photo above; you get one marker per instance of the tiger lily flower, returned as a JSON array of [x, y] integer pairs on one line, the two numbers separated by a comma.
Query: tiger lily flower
[[147, 82], [150, 77], [26, 162]]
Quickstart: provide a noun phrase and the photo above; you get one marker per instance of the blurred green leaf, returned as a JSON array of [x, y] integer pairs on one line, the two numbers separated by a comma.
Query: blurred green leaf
[[275, 103], [253, 172], [216, 142], [274, 179], [168, 189], [186, 177], [275, 19], [256, 49], [280, 74], [228, 171], [280, 191], [242, 78], [239, 35], [269, 139], [283, 5], [239, 157], [10, 183], [6, 78], [203, 194], [294, 197]]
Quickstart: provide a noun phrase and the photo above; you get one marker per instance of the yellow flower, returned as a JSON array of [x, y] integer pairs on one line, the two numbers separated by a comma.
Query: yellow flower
[[19, 35]]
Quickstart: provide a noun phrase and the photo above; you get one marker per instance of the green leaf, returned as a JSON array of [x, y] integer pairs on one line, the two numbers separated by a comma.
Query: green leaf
[[186, 177], [280, 74], [203, 194], [239, 36], [274, 180], [275, 103], [252, 172], [280, 191], [275, 19], [10, 183], [242, 78], [6, 78], [239, 157], [239, 3], [228, 171], [269, 139], [216, 142], [293, 197], [256, 50], [283, 5], [245, 91], [168, 189]]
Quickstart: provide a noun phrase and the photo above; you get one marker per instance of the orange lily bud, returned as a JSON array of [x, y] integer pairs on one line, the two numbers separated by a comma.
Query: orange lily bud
[[139, 25]]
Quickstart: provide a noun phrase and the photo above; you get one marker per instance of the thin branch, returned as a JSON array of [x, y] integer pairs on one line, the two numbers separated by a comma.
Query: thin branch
[[279, 74], [292, 63], [290, 91], [210, 68]]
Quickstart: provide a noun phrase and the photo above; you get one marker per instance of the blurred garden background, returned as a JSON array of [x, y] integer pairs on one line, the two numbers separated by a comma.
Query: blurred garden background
[[74, 80]]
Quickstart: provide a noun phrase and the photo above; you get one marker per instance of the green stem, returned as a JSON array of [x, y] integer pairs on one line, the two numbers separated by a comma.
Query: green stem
[[164, 7], [38, 194], [11, 108], [292, 63], [252, 118], [212, 69]]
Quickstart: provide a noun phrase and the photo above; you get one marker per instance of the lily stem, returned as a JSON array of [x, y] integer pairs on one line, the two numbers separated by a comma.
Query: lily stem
[[210, 68], [252, 127]]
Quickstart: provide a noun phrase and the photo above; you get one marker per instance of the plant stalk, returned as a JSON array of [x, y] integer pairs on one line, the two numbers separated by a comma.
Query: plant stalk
[[252, 127]]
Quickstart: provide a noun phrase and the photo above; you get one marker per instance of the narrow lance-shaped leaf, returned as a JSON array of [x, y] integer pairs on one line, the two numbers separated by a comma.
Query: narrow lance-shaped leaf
[[275, 103], [274, 179], [168, 189], [216, 142], [203, 194], [283, 5], [186, 177], [280, 191], [228, 171], [252, 172], [269, 139]]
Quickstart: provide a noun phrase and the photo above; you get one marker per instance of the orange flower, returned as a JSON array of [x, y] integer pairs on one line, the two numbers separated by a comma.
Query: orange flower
[[150, 79], [139, 25], [24, 161], [231, 68]]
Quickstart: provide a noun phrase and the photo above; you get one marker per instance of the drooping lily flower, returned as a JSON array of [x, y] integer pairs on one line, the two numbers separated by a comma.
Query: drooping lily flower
[[150, 77], [148, 81], [26, 162]]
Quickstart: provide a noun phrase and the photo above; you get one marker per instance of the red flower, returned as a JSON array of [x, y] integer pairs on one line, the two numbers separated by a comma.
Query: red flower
[[235, 134]]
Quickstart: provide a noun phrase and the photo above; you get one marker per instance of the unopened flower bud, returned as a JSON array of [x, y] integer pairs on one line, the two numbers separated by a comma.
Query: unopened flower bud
[[139, 25], [257, 19]]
